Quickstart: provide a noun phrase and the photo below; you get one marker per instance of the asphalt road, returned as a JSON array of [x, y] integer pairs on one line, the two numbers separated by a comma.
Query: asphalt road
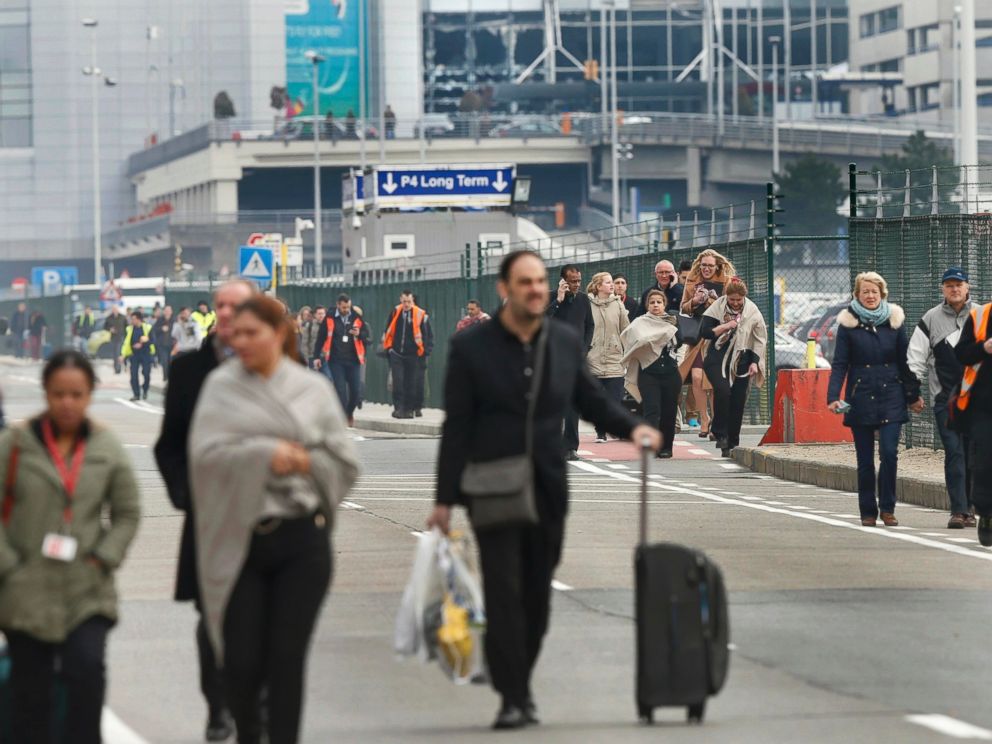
[[840, 633]]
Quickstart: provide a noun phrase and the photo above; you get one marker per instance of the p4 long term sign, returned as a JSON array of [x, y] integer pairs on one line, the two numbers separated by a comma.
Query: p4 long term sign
[[487, 185]]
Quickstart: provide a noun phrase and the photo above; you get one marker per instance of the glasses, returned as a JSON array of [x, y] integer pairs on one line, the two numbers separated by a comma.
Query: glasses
[[707, 266]]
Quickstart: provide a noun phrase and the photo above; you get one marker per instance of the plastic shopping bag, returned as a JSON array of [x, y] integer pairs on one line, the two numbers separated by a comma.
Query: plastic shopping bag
[[456, 640], [424, 589]]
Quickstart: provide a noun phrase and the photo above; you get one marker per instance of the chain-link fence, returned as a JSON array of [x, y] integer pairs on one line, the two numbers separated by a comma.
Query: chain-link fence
[[911, 226]]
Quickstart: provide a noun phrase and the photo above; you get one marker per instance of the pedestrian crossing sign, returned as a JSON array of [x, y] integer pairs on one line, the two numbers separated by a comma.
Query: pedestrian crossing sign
[[255, 262]]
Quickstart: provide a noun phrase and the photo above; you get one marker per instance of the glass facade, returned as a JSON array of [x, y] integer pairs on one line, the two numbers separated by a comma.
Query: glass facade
[[15, 74]]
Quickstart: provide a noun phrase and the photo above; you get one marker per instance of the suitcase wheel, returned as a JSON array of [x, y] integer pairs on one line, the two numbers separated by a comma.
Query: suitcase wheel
[[646, 714], [696, 712]]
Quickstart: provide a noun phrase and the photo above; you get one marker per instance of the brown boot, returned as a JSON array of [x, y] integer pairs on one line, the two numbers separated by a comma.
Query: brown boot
[[969, 518], [889, 519], [868, 521], [956, 522]]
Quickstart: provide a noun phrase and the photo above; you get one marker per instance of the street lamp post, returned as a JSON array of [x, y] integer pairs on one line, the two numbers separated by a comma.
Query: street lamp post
[[775, 40], [614, 133], [318, 244], [93, 72]]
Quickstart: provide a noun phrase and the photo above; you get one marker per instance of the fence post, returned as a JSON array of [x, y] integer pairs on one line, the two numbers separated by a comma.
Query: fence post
[[678, 230], [852, 192], [771, 208], [695, 227], [905, 196], [879, 212], [935, 193], [750, 225]]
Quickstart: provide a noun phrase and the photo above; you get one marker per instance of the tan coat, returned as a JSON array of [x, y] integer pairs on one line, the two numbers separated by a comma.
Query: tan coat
[[46, 598], [605, 358]]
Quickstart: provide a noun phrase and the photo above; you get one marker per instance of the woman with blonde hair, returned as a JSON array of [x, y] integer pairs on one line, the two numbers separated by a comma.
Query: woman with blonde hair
[[605, 357], [871, 354], [707, 279], [735, 358]]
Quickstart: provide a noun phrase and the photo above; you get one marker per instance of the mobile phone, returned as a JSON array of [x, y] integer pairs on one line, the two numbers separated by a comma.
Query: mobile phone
[[844, 407]]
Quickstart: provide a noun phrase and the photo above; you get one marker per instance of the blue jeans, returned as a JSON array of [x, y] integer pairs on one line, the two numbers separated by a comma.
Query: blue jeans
[[957, 470], [347, 379], [888, 452], [142, 362]]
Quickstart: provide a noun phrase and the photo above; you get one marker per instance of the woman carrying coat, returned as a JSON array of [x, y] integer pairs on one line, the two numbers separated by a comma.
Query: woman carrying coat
[[735, 358], [57, 557], [705, 283], [870, 352], [650, 352], [605, 354], [270, 461]]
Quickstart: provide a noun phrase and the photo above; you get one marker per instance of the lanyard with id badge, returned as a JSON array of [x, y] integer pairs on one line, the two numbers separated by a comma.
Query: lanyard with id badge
[[61, 546]]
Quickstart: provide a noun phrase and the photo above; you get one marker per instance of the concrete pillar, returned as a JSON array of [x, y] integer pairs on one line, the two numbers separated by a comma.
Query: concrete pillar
[[693, 175]]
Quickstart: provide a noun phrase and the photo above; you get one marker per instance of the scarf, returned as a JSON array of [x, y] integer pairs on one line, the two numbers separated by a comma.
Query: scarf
[[643, 341], [872, 317], [239, 420], [751, 335]]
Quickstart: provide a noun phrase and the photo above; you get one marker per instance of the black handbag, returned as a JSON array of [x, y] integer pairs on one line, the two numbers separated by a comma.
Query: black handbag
[[501, 492], [691, 327]]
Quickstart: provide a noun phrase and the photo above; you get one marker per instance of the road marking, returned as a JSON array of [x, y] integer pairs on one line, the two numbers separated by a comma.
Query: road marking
[[697, 451], [115, 731], [934, 534], [752, 498], [560, 586], [583, 452], [404, 499], [353, 505], [599, 459], [617, 466], [887, 534], [845, 516], [136, 446], [950, 726], [730, 466], [135, 405], [22, 378], [961, 540]]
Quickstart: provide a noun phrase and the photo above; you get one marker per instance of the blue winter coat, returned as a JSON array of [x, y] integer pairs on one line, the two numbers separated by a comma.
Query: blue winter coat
[[880, 383]]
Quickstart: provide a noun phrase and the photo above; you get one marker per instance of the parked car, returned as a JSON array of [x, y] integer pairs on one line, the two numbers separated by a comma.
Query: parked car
[[790, 353], [526, 129], [435, 125], [824, 330]]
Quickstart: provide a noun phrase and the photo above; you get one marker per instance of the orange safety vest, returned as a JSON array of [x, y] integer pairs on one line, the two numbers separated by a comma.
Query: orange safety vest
[[971, 371], [359, 344], [418, 337]]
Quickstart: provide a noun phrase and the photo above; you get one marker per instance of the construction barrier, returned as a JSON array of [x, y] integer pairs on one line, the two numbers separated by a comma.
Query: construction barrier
[[800, 414]]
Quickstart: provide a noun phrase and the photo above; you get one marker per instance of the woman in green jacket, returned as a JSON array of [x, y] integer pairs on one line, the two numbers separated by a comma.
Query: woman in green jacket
[[57, 558]]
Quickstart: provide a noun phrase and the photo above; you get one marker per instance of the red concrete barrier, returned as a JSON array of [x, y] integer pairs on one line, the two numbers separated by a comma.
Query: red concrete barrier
[[800, 414]]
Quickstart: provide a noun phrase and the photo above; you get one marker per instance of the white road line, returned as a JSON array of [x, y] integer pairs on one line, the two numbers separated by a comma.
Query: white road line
[[115, 731], [560, 586], [697, 451], [934, 534], [886, 534], [137, 407], [353, 505], [752, 498], [845, 516], [148, 406], [961, 540], [404, 499], [950, 726], [618, 466], [136, 446], [730, 466], [583, 452]]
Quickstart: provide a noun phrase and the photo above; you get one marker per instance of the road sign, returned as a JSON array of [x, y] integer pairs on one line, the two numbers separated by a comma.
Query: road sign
[[255, 262], [110, 292], [444, 186], [272, 241], [255, 239], [353, 191], [53, 278], [294, 252]]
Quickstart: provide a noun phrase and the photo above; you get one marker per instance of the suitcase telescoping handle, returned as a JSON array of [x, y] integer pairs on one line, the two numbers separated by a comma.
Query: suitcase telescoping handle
[[645, 445]]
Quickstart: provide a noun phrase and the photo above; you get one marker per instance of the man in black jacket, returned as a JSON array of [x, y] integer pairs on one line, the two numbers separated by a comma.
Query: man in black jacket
[[571, 305], [975, 347], [486, 389], [186, 378], [18, 328], [408, 341], [340, 344], [116, 324], [667, 281]]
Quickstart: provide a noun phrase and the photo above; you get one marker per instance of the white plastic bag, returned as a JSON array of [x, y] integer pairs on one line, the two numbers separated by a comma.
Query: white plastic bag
[[423, 589]]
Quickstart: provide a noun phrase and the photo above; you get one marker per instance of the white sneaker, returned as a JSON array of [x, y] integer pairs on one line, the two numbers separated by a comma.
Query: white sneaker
[[600, 440]]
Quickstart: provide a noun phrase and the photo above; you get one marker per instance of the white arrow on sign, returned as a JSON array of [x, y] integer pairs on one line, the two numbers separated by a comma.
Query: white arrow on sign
[[499, 184], [390, 185]]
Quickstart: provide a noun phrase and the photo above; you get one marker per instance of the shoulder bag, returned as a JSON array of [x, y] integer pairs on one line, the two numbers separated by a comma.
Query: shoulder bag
[[691, 327], [501, 492]]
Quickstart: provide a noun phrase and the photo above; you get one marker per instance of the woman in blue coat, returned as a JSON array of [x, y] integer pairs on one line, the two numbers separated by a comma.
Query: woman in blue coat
[[871, 353]]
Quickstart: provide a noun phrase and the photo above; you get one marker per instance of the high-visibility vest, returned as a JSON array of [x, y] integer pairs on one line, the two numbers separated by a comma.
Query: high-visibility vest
[[205, 320], [418, 336], [971, 371], [329, 341], [146, 330]]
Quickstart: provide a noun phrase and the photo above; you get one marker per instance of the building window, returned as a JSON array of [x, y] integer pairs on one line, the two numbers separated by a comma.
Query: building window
[[396, 246], [922, 39], [15, 74], [867, 25], [889, 19]]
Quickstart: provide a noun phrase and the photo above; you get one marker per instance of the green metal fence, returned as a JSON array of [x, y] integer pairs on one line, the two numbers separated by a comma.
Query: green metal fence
[[912, 234], [58, 315]]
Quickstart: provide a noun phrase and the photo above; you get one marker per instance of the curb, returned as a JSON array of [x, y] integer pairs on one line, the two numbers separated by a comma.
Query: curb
[[916, 491], [399, 426]]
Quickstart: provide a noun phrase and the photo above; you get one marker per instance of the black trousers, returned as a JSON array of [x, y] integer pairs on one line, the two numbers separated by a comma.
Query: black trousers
[[211, 676], [614, 389], [570, 434], [408, 381], [981, 473], [268, 623], [83, 674], [142, 362], [164, 353], [347, 379], [660, 397], [518, 564], [729, 401]]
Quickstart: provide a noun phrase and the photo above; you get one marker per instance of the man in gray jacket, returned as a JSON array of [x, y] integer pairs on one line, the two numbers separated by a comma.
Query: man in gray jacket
[[931, 354]]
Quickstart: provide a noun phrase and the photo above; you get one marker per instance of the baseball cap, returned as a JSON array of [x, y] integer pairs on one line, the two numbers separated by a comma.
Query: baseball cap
[[954, 274]]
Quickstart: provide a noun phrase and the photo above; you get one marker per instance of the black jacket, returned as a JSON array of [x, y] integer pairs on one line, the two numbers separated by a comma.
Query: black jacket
[[347, 353], [186, 377], [969, 351], [880, 383], [162, 334], [19, 323], [631, 305], [403, 344], [485, 405], [116, 324], [576, 311], [673, 299]]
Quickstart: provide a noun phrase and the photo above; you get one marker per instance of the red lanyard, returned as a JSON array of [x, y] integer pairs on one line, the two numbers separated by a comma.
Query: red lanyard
[[69, 476]]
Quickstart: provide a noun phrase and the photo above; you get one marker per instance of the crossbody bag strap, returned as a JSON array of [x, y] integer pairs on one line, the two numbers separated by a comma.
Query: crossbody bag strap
[[11, 479], [535, 385]]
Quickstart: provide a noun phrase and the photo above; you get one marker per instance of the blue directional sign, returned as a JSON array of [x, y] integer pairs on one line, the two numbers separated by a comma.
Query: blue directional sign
[[353, 191], [255, 262], [444, 186], [53, 278]]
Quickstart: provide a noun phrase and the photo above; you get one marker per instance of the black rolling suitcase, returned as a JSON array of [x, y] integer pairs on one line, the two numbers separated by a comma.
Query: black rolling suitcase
[[683, 630]]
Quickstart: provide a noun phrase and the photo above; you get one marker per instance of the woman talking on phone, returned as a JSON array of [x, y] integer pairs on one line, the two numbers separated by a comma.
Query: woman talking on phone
[[871, 354], [736, 356]]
